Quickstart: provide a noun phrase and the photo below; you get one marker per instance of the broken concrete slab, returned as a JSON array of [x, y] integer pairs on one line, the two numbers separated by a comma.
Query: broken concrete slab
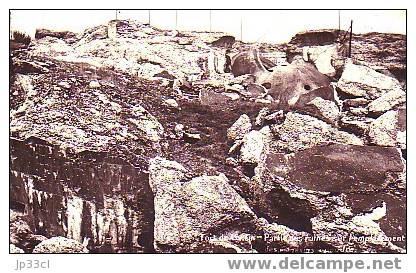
[[356, 125], [240, 128], [322, 57], [362, 81], [333, 191], [299, 132], [288, 83], [387, 101], [187, 209], [247, 62], [389, 129], [350, 168]]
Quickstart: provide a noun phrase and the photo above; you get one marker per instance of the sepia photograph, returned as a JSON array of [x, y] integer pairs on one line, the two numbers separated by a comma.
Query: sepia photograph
[[207, 131]]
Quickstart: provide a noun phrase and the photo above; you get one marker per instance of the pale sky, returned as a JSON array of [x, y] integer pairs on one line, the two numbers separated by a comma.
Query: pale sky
[[257, 26]]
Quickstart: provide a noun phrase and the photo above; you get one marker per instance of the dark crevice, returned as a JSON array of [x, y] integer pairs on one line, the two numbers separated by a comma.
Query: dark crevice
[[267, 85], [17, 206], [292, 212], [249, 169], [404, 153]]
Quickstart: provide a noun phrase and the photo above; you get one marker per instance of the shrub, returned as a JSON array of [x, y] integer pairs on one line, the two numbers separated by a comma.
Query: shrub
[[21, 37]]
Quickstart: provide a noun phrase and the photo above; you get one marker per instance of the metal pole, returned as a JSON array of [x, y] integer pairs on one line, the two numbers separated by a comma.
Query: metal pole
[[116, 14], [339, 25], [176, 19], [149, 17], [210, 21], [339, 21], [349, 53], [241, 28]]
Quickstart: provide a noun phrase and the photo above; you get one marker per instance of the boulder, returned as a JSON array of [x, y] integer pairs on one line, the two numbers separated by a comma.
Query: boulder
[[60, 245], [252, 148], [358, 111], [171, 103], [261, 116], [230, 161], [336, 191], [21, 235], [191, 137], [322, 103], [247, 62], [275, 118], [256, 90], [389, 129], [322, 57], [232, 96], [235, 88], [147, 124], [240, 128], [355, 102], [94, 84], [350, 168], [179, 130], [15, 249], [362, 81], [267, 100], [299, 132], [187, 209], [324, 109], [288, 83], [387, 101], [356, 125], [166, 75]]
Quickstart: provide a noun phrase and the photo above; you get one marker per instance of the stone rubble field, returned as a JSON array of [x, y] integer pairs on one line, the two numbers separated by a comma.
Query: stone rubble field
[[131, 139]]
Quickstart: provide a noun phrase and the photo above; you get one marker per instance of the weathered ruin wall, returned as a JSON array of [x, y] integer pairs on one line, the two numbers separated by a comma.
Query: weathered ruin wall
[[91, 198]]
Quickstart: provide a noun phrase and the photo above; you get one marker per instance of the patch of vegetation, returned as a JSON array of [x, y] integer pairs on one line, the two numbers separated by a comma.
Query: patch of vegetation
[[21, 37]]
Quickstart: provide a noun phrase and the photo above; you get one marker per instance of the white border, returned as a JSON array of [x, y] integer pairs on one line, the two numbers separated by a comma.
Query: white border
[[178, 262]]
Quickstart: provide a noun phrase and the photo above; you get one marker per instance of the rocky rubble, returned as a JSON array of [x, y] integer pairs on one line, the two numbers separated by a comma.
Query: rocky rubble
[[60, 245], [384, 52], [130, 139], [389, 129], [21, 234], [362, 81], [188, 209], [291, 191], [299, 132]]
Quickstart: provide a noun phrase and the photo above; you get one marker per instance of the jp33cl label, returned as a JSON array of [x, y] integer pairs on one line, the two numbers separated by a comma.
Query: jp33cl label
[[31, 264]]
